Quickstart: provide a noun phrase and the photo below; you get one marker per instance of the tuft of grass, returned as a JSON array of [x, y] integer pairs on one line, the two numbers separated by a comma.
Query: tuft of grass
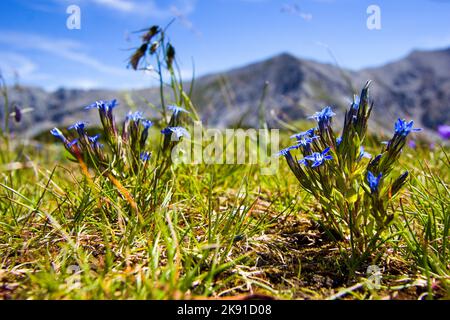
[[216, 231]]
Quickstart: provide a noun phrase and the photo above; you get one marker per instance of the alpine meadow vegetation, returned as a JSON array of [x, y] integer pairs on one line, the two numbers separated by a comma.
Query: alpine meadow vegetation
[[105, 213]]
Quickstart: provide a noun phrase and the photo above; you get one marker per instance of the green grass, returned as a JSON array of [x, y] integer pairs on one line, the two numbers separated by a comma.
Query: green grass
[[204, 231], [221, 230]]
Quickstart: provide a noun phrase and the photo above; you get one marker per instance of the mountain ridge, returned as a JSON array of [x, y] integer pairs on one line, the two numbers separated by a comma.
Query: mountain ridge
[[416, 86]]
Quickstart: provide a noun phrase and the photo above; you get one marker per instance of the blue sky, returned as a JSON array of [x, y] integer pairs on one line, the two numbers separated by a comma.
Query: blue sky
[[36, 45]]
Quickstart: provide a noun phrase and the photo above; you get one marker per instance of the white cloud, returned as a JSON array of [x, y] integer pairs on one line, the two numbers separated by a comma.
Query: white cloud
[[14, 66], [63, 48], [294, 9], [143, 8], [121, 5], [85, 84]]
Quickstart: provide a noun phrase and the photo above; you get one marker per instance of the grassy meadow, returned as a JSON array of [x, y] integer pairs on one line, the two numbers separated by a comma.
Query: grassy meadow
[[115, 223], [222, 230]]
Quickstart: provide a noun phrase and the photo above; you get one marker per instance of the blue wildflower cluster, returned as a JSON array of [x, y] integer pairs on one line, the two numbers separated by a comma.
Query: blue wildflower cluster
[[127, 148], [353, 188]]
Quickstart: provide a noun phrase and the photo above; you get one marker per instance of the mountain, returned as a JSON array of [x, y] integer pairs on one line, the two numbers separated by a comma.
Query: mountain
[[416, 87]]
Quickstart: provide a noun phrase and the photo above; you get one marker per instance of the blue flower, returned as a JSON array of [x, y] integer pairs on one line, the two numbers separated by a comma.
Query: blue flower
[[363, 154], [303, 161], [317, 158], [373, 181], [145, 156], [103, 105], [356, 102], [323, 117], [147, 124], [308, 133], [57, 133], [94, 139], [338, 141], [79, 127], [305, 144], [403, 129], [286, 152], [135, 116], [72, 143], [176, 109], [178, 131]]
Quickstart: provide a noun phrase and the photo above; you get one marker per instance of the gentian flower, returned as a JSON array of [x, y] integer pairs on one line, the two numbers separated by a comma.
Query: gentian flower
[[176, 109], [72, 143], [403, 129], [144, 135], [145, 156], [286, 152], [356, 102], [103, 105], [308, 133], [363, 154], [105, 109], [79, 127], [17, 114], [147, 124], [338, 141], [323, 117], [444, 132], [305, 143], [178, 131], [94, 139], [373, 181], [57, 133], [135, 116], [317, 158]]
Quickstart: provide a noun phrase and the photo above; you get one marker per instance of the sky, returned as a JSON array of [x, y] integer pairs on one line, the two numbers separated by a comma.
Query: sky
[[37, 48]]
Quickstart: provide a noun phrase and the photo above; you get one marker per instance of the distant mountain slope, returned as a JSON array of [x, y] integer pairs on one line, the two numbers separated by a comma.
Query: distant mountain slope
[[416, 87]]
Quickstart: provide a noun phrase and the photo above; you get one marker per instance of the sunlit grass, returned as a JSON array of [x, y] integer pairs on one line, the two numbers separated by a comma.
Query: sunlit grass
[[221, 230]]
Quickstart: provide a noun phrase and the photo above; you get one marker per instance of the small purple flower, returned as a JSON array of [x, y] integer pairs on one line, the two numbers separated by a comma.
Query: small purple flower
[[17, 114], [373, 181], [444, 132], [338, 141], [79, 127], [412, 144]]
